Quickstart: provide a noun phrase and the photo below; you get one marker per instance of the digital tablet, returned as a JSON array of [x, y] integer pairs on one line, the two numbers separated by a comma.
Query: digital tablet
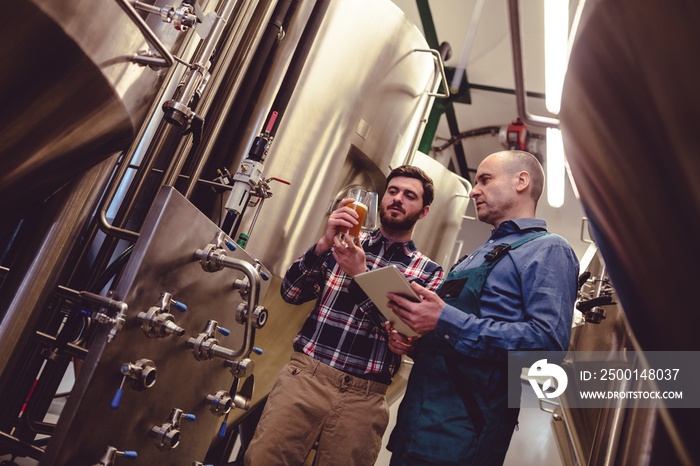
[[377, 283]]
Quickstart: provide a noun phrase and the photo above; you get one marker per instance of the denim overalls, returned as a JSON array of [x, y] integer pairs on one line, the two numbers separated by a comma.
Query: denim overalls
[[455, 411]]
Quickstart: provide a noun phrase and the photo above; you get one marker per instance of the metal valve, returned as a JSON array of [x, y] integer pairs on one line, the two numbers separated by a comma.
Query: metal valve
[[142, 375], [241, 313], [242, 286], [241, 400], [594, 292], [241, 368], [111, 453], [159, 322], [205, 346], [167, 435], [220, 403], [259, 267], [259, 317], [213, 258], [119, 307], [182, 18], [210, 258]]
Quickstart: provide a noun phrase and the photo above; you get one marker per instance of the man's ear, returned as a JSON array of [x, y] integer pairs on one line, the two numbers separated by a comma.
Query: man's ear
[[424, 212], [522, 181]]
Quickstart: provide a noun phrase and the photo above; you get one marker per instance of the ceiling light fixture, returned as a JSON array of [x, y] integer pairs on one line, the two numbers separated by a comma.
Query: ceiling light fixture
[[467, 49], [556, 45], [556, 171]]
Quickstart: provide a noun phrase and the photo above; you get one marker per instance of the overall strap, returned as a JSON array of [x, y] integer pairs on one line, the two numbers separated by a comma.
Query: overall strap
[[453, 360], [502, 249]]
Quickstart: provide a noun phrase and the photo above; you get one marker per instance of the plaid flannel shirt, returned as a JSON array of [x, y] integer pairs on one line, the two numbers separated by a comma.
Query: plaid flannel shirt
[[342, 331]]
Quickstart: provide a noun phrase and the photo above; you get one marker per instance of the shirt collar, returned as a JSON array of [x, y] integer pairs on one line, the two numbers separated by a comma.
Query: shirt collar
[[518, 225], [376, 236]]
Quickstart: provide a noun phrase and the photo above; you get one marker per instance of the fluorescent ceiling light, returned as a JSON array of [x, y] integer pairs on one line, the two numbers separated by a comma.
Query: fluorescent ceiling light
[[467, 49], [556, 170]]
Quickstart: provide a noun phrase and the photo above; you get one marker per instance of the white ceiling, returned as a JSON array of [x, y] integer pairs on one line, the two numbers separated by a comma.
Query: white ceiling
[[490, 64]]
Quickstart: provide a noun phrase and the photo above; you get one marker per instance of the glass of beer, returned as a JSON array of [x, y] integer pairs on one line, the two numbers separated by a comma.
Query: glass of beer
[[363, 200]]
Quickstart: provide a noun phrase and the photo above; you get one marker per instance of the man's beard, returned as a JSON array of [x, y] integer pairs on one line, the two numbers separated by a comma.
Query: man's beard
[[394, 224]]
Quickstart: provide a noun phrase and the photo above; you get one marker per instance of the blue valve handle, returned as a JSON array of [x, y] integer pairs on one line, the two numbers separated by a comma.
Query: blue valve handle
[[190, 417], [130, 454], [231, 245], [182, 307], [116, 400], [224, 331], [257, 350], [222, 430], [264, 275]]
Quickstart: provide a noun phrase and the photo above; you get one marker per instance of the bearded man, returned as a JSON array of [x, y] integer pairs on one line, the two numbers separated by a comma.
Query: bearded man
[[333, 389]]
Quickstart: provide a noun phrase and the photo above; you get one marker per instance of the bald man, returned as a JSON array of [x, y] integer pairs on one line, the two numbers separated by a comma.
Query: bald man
[[515, 293]]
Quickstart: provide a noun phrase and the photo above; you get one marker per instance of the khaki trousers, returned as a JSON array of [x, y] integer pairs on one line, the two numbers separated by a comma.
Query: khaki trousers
[[312, 401]]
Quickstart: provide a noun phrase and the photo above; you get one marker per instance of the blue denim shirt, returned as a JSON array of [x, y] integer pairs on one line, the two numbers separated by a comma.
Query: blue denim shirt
[[528, 299]]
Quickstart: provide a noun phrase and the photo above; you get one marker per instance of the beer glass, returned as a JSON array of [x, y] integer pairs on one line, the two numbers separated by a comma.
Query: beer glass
[[365, 204]]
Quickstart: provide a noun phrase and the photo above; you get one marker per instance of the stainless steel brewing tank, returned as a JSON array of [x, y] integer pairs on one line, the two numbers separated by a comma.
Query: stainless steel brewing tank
[[628, 113], [189, 359], [357, 112], [357, 109], [437, 233], [629, 105], [71, 96]]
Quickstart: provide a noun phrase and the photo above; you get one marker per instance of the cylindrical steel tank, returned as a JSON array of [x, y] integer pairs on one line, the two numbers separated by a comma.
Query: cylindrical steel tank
[[71, 95], [629, 106], [357, 111]]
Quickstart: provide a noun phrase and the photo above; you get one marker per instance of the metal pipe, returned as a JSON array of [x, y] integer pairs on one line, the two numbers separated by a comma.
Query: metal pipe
[[127, 158], [115, 229], [283, 97], [197, 80], [166, 59], [492, 130], [222, 260], [440, 68], [198, 73], [31, 281], [534, 120], [607, 433], [243, 52], [301, 53], [21, 448], [440, 77], [260, 69], [168, 133]]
